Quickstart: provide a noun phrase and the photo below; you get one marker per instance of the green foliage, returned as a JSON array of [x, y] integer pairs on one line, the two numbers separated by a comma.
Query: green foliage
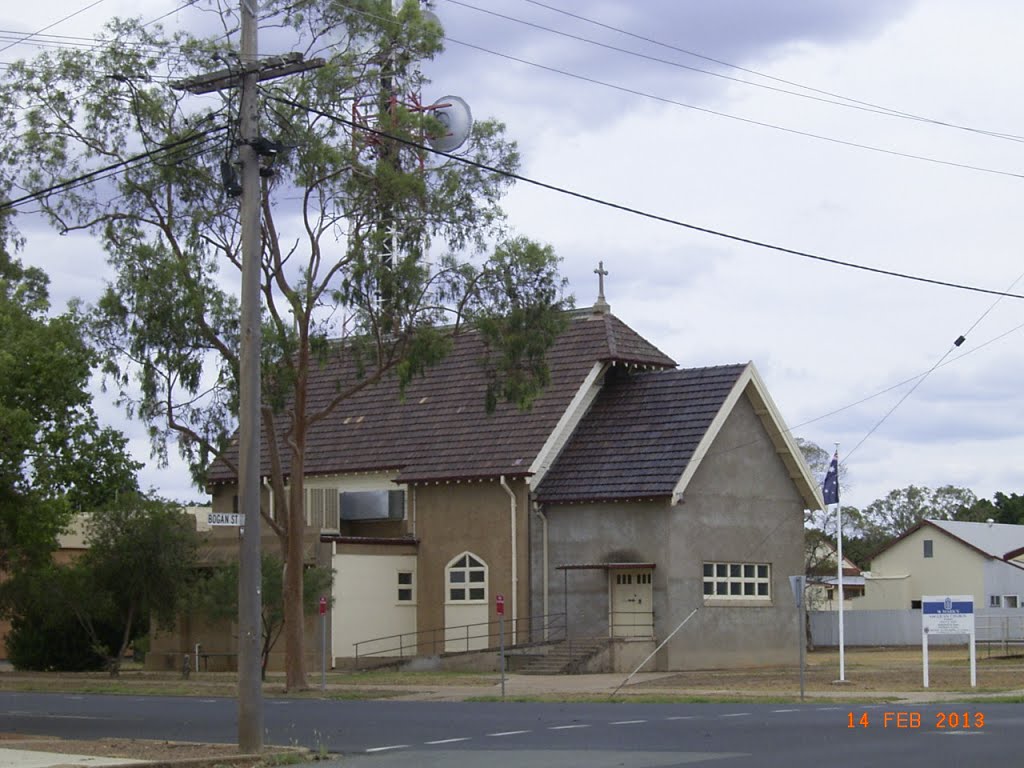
[[55, 459], [903, 508], [215, 596], [45, 633], [139, 568], [1001, 509]]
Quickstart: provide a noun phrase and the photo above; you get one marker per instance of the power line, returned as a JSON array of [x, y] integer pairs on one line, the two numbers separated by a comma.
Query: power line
[[640, 212], [54, 24], [959, 340], [776, 89], [738, 118], [737, 67], [102, 173]]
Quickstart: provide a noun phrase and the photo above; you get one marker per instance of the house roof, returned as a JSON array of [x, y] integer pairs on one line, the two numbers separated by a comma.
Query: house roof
[[440, 430], [647, 433], [639, 435], [996, 540]]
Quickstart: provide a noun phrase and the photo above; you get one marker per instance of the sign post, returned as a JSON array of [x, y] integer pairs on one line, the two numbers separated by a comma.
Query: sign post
[[797, 584], [499, 607], [323, 642], [948, 615]]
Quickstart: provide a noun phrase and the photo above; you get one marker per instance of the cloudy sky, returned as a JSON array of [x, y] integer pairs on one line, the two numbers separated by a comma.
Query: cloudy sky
[[856, 130]]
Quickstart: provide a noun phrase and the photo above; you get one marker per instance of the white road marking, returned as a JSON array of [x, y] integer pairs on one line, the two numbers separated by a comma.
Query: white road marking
[[75, 698], [626, 722], [828, 709], [961, 733], [447, 741], [683, 717], [737, 714], [385, 749], [280, 703], [207, 701], [785, 710], [507, 733], [566, 727]]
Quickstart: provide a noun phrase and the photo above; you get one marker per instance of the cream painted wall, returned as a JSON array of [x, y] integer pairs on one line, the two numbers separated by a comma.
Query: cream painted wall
[[953, 569], [366, 603]]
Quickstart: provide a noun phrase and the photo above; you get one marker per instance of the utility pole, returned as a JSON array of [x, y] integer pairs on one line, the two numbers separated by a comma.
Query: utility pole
[[250, 683], [247, 76]]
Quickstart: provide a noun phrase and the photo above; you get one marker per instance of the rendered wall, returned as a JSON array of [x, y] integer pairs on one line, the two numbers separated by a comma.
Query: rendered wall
[[741, 506]]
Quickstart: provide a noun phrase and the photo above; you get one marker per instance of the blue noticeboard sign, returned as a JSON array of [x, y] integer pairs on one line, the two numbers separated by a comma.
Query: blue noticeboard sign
[[947, 614]]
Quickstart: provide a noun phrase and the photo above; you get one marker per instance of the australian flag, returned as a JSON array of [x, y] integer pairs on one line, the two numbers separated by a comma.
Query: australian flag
[[830, 488]]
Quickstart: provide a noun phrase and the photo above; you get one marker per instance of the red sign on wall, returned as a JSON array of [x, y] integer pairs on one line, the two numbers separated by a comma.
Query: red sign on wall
[[323, 605], [499, 604]]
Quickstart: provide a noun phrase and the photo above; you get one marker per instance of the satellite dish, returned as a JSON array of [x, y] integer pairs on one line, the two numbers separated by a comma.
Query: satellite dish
[[431, 19], [454, 115]]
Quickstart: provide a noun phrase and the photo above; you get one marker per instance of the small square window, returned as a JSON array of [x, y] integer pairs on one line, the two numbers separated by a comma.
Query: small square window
[[995, 601], [709, 588], [457, 577], [762, 571], [735, 588], [721, 587], [405, 595], [709, 569], [735, 570], [762, 589], [476, 593], [476, 576], [405, 577], [721, 570], [456, 594], [748, 588], [915, 605], [1010, 601], [748, 571]]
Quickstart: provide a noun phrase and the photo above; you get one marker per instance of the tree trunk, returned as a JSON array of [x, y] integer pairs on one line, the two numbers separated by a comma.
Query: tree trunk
[[294, 629]]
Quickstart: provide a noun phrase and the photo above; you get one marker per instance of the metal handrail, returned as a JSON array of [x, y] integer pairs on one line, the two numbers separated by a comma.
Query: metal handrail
[[408, 643]]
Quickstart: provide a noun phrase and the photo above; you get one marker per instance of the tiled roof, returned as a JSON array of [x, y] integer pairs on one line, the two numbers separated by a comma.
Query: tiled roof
[[440, 429], [639, 435]]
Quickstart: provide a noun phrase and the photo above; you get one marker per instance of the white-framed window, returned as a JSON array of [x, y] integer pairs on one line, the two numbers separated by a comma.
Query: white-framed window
[[466, 579], [737, 581], [406, 586], [1011, 601], [995, 601]]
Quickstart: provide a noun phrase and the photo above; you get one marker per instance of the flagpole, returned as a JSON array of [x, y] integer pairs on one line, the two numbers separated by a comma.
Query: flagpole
[[839, 540]]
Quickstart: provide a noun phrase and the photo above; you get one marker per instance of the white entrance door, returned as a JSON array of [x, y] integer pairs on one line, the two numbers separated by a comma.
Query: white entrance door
[[632, 601], [465, 605]]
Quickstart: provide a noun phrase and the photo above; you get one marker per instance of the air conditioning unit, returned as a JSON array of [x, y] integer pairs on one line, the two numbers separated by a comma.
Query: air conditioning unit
[[372, 505]]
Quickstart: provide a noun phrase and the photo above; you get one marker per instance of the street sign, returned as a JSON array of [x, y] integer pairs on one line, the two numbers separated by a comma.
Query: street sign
[[226, 518], [323, 605], [499, 604]]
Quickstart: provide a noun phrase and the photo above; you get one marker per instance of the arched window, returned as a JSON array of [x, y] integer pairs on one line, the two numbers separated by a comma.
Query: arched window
[[466, 578]]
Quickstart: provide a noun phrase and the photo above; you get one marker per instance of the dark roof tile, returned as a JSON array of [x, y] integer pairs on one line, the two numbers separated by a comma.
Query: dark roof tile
[[440, 429], [639, 435]]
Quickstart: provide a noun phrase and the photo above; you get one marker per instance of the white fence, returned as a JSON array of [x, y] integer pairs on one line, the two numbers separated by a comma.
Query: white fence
[[997, 629]]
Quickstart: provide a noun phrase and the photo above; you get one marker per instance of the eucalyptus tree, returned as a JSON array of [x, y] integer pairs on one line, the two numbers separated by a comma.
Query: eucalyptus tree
[[375, 251]]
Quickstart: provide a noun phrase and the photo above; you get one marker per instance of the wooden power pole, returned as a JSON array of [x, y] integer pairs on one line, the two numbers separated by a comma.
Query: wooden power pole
[[249, 74]]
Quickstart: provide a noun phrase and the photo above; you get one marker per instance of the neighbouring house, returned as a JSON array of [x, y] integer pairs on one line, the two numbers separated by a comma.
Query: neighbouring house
[[72, 543], [945, 557], [630, 495], [823, 578]]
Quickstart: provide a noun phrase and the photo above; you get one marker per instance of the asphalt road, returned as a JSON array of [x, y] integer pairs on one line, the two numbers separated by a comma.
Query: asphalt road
[[390, 733]]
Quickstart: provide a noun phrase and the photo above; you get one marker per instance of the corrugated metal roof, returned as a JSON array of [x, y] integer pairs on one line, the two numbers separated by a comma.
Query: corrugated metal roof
[[995, 540]]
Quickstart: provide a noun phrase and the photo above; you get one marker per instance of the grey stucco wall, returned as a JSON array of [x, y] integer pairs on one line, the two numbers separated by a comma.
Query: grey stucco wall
[[741, 506]]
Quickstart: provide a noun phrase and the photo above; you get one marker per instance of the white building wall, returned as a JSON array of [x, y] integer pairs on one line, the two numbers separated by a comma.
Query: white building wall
[[366, 605]]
